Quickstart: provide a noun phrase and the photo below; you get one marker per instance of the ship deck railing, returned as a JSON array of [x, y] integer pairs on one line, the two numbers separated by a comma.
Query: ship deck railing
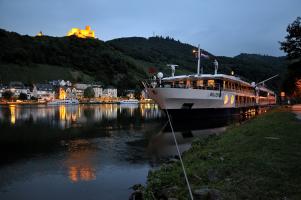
[[215, 86]]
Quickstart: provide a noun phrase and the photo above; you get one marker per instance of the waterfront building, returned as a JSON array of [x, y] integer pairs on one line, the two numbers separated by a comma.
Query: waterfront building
[[80, 87], [109, 92], [97, 91], [130, 94], [82, 33], [2, 89], [44, 92], [60, 83], [70, 93], [17, 88]]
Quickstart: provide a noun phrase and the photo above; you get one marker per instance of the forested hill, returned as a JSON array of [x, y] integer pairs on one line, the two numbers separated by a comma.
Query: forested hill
[[32, 59], [158, 51], [120, 62]]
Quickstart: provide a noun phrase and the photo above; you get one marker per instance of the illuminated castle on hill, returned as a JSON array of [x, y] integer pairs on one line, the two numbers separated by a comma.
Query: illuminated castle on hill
[[82, 33]]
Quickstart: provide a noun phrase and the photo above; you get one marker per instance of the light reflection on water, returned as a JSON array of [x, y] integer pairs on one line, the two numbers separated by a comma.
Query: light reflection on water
[[80, 161], [66, 116], [95, 151]]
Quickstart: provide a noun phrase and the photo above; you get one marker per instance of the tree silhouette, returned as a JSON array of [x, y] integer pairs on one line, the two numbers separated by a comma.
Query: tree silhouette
[[23, 96], [7, 95], [292, 46], [292, 43], [89, 92]]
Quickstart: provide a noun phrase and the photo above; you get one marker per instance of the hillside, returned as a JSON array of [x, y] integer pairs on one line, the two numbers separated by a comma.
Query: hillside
[[158, 51], [120, 62], [31, 59]]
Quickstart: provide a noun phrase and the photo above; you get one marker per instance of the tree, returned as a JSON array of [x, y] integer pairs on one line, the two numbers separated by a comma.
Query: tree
[[7, 95], [89, 92], [23, 96], [292, 46], [292, 43]]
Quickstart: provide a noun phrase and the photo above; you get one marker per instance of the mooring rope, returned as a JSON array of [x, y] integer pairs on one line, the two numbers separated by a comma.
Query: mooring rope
[[179, 153]]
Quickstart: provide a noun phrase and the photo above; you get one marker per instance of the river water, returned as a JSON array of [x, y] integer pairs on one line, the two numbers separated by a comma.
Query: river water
[[83, 151]]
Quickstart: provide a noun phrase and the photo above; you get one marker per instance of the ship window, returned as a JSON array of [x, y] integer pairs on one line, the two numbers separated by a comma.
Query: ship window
[[227, 85], [200, 83], [181, 84], [188, 83], [211, 83], [263, 93], [194, 84]]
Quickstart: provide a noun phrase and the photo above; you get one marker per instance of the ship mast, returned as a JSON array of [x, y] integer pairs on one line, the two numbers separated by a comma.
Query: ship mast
[[199, 61]]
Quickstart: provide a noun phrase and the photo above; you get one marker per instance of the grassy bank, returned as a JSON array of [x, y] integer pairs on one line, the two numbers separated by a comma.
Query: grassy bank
[[260, 159]]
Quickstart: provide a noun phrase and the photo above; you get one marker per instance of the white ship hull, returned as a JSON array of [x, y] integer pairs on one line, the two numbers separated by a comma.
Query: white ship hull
[[182, 98]]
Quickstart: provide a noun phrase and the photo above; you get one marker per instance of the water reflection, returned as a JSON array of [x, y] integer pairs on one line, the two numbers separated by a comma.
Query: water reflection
[[162, 144], [100, 150], [12, 109], [64, 116], [80, 160]]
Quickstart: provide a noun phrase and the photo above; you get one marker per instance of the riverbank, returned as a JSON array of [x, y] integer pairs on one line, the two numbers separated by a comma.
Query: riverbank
[[258, 160]]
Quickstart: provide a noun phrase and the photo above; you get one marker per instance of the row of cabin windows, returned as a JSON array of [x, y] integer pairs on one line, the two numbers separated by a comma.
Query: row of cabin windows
[[200, 84], [228, 85], [251, 100], [244, 100], [209, 84]]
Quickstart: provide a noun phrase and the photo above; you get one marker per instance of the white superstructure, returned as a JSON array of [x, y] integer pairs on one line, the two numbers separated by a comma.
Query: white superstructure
[[207, 91]]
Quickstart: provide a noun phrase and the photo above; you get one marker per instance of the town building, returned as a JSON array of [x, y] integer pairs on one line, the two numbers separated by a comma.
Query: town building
[[109, 92], [2, 89], [17, 88], [60, 83], [80, 88], [44, 92]]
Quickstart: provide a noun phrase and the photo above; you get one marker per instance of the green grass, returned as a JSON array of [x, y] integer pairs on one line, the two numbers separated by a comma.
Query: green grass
[[260, 159]]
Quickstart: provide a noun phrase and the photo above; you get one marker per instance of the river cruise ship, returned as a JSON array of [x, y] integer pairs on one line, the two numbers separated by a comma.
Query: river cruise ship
[[205, 95]]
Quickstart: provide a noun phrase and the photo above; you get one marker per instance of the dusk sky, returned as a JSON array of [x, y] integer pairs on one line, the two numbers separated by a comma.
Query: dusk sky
[[226, 27]]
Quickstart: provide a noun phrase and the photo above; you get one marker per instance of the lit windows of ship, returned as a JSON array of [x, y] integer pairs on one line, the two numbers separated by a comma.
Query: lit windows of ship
[[200, 83], [211, 83], [232, 99], [226, 99]]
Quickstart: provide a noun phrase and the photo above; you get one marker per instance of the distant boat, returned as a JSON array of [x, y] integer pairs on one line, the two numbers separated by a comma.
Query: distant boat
[[129, 101], [63, 102]]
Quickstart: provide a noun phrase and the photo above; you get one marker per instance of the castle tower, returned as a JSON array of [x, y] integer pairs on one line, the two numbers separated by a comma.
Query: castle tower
[[82, 33]]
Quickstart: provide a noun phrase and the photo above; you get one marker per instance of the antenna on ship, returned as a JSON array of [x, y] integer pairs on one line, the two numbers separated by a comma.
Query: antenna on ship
[[215, 63], [199, 55], [173, 69], [199, 61], [262, 82]]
